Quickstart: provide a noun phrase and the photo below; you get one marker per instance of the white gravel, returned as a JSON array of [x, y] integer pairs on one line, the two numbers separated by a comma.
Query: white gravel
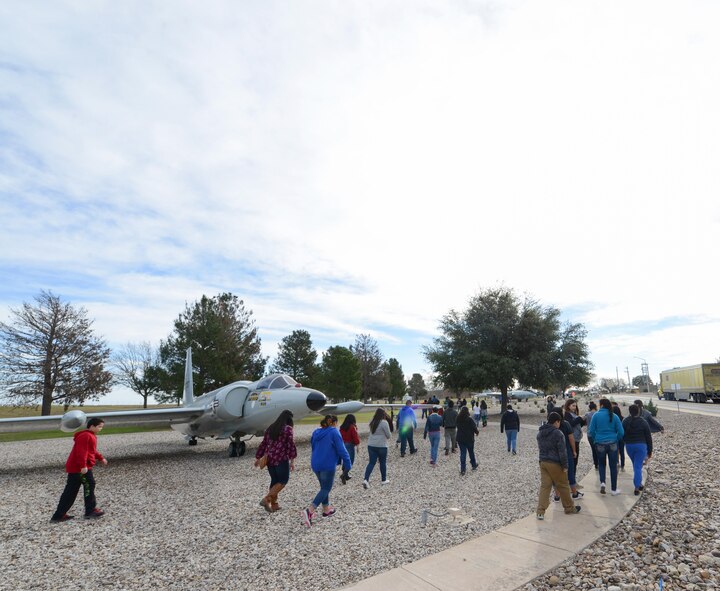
[[188, 518]]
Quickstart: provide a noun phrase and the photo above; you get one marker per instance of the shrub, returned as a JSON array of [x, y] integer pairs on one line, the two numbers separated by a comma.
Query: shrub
[[651, 408]]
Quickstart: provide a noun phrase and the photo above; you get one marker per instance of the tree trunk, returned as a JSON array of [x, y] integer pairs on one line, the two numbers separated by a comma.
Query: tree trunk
[[503, 398]]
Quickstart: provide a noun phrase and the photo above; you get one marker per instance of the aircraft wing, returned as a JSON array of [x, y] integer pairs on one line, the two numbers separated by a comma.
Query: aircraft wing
[[356, 406], [73, 420]]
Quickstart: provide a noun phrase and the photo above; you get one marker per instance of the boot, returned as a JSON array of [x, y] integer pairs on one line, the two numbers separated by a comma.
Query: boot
[[272, 497]]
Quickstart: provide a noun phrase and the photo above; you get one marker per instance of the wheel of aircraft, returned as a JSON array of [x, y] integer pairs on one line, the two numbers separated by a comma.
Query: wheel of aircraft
[[241, 448], [192, 441], [236, 449]]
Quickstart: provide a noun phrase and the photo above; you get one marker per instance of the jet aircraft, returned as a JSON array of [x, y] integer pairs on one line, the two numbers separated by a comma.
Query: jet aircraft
[[238, 411]]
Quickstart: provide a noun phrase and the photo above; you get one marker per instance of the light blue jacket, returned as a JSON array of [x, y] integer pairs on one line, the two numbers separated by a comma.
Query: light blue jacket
[[604, 430]]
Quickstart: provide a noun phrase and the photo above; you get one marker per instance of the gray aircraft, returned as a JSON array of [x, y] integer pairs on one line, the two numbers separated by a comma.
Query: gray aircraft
[[238, 411]]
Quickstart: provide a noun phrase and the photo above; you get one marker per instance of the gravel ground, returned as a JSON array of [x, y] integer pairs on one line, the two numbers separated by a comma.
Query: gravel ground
[[672, 533], [188, 518]]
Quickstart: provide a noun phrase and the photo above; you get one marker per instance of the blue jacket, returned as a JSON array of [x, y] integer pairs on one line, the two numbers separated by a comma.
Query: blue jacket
[[604, 430], [433, 424], [406, 418], [327, 448]]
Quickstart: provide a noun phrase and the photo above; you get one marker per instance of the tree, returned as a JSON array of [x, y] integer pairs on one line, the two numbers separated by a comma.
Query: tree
[[340, 374], [612, 384], [49, 353], [395, 378], [642, 382], [571, 364], [367, 352], [498, 340], [134, 367], [225, 347], [416, 387], [297, 358]]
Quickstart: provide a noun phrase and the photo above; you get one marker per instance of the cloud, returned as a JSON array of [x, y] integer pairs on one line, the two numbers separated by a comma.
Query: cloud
[[363, 167]]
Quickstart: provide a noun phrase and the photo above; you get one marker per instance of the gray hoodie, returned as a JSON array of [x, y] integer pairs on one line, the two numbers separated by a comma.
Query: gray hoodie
[[551, 444]]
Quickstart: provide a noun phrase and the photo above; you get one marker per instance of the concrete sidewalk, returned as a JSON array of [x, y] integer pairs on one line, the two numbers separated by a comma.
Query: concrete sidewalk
[[517, 553]]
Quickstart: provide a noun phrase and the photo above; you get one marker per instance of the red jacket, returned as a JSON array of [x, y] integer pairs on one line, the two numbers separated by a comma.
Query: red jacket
[[84, 453], [350, 435]]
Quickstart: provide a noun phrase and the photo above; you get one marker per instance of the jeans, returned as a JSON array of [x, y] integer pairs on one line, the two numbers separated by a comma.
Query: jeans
[[571, 464], [326, 479], [72, 487], [350, 447], [406, 437], [450, 438], [621, 453], [594, 451], [511, 436], [637, 453], [609, 451], [279, 474], [434, 437], [466, 449], [375, 454]]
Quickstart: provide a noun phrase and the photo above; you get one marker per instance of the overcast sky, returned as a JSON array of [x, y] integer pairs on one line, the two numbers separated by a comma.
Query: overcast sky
[[364, 167]]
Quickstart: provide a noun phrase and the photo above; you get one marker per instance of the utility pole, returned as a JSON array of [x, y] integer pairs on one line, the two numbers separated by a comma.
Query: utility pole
[[617, 377], [627, 370]]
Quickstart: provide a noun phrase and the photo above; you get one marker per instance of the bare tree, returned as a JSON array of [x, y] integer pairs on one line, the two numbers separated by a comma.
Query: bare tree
[[48, 353], [134, 366]]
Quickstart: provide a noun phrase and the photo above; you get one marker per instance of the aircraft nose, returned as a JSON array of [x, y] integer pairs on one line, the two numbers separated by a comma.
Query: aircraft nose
[[316, 400]]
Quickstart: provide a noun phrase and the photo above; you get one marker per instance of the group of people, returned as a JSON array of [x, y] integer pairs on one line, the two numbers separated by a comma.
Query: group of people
[[609, 436]]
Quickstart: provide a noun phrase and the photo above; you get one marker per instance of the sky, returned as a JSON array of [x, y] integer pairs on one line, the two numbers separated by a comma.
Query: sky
[[364, 167]]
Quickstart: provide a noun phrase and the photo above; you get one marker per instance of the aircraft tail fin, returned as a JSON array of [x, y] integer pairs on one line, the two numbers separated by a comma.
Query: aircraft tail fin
[[188, 395]]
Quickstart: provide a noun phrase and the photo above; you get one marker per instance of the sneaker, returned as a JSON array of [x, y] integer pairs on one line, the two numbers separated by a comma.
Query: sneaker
[[637, 492], [329, 512], [556, 499], [577, 495], [447, 452], [615, 492], [402, 455], [94, 514], [514, 453], [413, 451], [602, 488], [540, 516], [386, 481], [307, 516], [622, 468], [597, 468], [641, 487], [343, 478], [366, 484], [462, 473], [573, 511], [475, 467], [65, 517], [579, 486]]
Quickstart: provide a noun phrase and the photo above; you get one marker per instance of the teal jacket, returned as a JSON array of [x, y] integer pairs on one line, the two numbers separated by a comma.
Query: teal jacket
[[605, 430]]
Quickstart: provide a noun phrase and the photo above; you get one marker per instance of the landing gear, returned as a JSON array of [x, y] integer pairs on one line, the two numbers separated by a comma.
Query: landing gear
[[236, 448], [192, 441]]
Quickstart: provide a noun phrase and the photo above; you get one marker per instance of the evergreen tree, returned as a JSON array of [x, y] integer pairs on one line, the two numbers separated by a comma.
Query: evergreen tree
[[417, 388], [340, 374], [225, 347], [395, 378], [372, 380], [297, 358]]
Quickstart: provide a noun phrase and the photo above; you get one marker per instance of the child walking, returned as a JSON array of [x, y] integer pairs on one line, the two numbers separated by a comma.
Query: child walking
[[79, 467]]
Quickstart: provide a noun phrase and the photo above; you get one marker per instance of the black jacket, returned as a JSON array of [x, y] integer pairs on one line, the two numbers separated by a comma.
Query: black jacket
[[510, 420], [466, 431], [637, 430]]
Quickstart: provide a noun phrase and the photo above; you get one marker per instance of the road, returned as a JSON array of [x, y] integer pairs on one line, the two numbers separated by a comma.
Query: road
[[707, 408]]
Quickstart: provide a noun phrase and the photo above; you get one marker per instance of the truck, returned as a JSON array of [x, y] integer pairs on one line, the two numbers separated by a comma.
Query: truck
[[696, 383]]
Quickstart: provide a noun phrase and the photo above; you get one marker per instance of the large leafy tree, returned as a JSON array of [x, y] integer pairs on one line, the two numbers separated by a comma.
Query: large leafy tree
[[297, 358], [416, 387], [49, 353], [571, 364], [372, 378], [395, 378], [500, 339], [340, 374], [225, 346], [134, 367]]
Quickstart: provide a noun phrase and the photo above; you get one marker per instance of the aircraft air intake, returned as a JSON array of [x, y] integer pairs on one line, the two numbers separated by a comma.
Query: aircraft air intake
[[230, 403], [316, 400], [72, 421]]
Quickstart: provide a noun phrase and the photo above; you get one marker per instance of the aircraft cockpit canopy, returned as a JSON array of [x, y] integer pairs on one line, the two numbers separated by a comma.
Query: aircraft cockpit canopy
[[276, 381]]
